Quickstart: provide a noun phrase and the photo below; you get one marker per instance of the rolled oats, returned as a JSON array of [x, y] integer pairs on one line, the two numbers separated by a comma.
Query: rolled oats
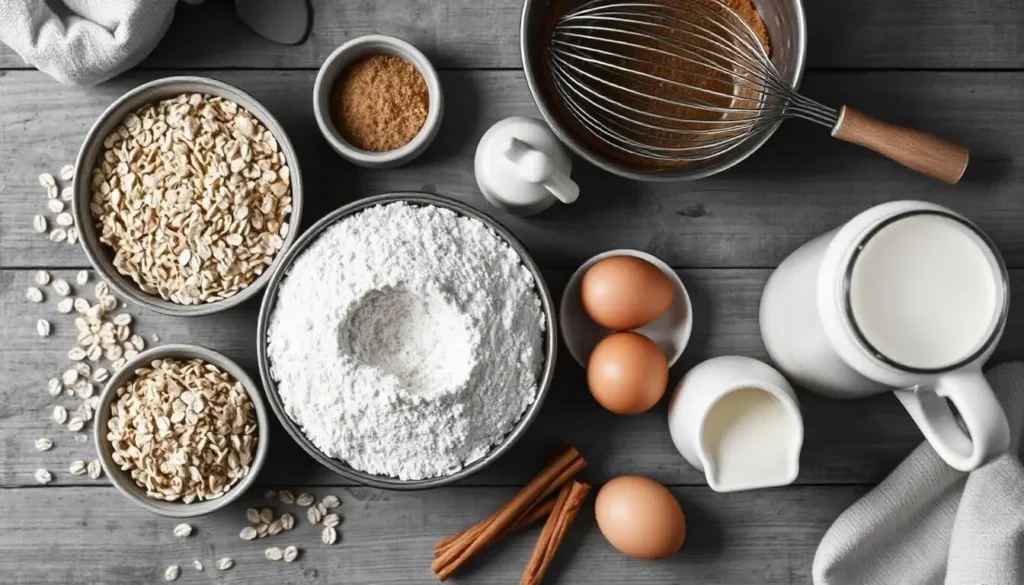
[[201, 456], [329, 535], [287, 496], [39, 224], [208, 159], [172, 573], [34, 295], [305, 499], [95, 469], [290, 554], [60, 414], [43, 444], [43, 328], [247, 533], [55, 206], [62, 287], [182, 530], [82, 277], [42, 476], [77, 468], [67, 172], [42, 278], [224, 564], [330, 501], [274, 553]]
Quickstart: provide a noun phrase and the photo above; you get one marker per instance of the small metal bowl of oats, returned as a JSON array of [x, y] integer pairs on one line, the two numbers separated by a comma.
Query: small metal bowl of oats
[[181, 430], [186, 191]]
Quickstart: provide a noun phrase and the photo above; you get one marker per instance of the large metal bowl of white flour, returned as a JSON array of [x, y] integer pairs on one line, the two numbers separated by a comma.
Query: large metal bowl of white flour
[[407, 341]]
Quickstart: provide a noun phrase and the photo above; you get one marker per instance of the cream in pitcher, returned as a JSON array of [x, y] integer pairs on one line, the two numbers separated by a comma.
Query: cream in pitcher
[[906, 296]]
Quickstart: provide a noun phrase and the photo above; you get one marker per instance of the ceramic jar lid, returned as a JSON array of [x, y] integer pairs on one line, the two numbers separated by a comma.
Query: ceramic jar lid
[[521, 167]]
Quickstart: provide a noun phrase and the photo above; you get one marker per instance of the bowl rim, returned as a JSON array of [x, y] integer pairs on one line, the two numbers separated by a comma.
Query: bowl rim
[[96, 251], [669, 175], [322, 88], [528, 416], [125, 485]]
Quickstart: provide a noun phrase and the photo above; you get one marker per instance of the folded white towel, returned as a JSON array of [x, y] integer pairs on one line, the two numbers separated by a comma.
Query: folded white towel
[[84, 41], [928, 524]]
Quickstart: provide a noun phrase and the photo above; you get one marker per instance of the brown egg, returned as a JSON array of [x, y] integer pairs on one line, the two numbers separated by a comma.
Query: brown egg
[[640, 517], [625, 292], [627, 373]]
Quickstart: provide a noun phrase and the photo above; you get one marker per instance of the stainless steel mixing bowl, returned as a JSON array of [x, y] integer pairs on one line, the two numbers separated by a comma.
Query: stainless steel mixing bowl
[[340, 467], [784, 20]]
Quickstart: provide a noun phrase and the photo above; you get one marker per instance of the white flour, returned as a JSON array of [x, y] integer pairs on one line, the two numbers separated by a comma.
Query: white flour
[[407, 341]]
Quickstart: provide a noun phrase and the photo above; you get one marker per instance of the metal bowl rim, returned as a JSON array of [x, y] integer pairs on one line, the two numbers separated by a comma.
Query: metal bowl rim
[[525, 420], [122, 482], [83, 176], [669, 175]]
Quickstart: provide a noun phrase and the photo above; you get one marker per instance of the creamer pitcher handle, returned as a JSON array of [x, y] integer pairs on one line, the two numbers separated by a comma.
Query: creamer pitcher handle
[[988, 433]]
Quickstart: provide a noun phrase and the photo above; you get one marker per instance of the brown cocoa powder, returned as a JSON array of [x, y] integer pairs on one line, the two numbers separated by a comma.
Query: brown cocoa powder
[[380, 103], [558, 8]]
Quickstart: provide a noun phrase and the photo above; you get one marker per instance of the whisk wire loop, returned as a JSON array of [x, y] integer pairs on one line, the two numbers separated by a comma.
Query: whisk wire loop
[[673, 81]]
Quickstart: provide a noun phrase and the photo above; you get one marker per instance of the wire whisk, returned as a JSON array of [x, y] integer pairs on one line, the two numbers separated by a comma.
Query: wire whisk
[[674, 82]]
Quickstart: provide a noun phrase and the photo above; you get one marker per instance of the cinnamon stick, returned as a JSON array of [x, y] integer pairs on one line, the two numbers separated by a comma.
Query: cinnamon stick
[[526, 521], [567, 506], [460, 549]]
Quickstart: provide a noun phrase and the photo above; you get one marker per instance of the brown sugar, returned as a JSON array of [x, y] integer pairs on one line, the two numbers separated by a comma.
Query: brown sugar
[[659, 107], [380, 103]]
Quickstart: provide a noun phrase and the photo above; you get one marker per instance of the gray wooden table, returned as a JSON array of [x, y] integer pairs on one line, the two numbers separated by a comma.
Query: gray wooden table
[[947, 66]]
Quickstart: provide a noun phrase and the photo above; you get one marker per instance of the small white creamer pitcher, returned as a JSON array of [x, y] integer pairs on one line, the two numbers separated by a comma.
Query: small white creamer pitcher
[[906, 296], [737, 419]]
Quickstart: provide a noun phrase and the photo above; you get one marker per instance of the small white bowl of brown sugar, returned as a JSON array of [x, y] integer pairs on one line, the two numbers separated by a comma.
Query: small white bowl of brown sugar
[[378, 101], [181, 430], [186, 190]]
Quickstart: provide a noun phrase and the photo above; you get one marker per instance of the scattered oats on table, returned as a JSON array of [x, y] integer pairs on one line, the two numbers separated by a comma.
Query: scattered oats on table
[[225, 563], [274, 553], [58, 235], [287, 521], [39, 224], [330, 501], [172, 573], [287, 496], [43, 328], [82, 277], [61, 287], [329, 535], [34, 295], [42, 278], [67, 172], [95, 469], [252, 515], [266, 515], [60, 414], [186, 246], [54, 387], [305, 499], [314, 515], [205, 427], [332, 520], [55, 206], [183, 530], [75, 424], [248, 533], [290, 553], [43, 444], [197, 564], [42, 476], [77, 468], [46, 180]]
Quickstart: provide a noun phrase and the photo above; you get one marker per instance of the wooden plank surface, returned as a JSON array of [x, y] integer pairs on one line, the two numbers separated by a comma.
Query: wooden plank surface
[[485, 34], [799, 185], [856, 442], [60, 536]]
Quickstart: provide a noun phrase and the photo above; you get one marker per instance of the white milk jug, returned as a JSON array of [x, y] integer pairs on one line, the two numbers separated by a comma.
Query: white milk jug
[[907, 296]]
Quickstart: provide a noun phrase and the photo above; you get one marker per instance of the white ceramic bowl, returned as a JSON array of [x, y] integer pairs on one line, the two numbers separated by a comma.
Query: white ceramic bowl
[[101, 256], [335, 65], [125, 484], [670, 332]]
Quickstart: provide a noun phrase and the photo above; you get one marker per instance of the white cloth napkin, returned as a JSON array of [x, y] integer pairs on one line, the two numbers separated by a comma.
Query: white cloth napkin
[[84, 41], [928, 524]]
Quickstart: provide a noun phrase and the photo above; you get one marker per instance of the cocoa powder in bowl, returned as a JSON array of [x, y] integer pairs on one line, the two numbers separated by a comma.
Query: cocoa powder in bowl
[[379, 103]]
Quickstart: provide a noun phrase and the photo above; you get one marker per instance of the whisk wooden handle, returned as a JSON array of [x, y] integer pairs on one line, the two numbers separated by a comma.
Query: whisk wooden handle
[[916, 150]]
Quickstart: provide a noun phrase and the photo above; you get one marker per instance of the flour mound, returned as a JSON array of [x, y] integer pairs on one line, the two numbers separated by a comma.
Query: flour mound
[[407, 341]]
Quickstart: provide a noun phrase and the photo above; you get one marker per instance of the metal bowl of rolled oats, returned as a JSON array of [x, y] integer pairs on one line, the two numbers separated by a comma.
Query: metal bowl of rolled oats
[[186, 191], [181, 430]]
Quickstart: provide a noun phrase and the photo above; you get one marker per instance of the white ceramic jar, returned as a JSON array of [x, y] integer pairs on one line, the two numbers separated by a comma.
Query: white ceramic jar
[[907, 296]]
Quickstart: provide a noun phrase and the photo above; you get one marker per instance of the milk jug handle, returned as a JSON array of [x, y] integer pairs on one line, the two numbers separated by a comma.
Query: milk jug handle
[[987, 432]]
